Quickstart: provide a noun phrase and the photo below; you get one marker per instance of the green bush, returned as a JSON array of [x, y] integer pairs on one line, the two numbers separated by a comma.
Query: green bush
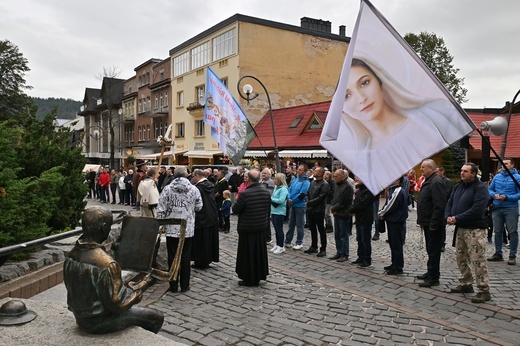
[[41, 184]]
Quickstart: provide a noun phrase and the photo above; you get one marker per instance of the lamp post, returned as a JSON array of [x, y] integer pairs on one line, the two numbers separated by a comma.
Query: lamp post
[[248, 90]]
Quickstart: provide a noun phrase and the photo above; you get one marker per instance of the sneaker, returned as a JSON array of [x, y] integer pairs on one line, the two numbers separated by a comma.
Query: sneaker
[[297, 247], [462, 289], [375, 237], [358, 261], [496, 258], [512, 260], [274, 248], [321, 254], [365, 265], [335, 257], [311, 250], [288, 245], [481, 297], [279, 250]]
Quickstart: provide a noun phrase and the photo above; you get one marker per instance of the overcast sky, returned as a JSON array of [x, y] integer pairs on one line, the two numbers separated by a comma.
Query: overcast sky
[[67, 43]]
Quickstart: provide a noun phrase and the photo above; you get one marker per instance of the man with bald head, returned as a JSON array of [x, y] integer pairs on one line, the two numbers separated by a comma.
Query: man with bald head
[[253, 208], [341, 203], [430, 216]]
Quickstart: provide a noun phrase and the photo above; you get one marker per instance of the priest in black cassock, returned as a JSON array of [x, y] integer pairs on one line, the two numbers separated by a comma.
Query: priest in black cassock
[[253, 208]]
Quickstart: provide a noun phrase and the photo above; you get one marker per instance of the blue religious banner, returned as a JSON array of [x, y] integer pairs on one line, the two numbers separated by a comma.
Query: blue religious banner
[[229, 126], [389, 112]]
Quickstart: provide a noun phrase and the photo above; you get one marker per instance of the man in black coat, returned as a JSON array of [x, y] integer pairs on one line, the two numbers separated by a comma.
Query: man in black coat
[[205, 243], [363, 209], [430, 216], [318, 193], [253, 208]]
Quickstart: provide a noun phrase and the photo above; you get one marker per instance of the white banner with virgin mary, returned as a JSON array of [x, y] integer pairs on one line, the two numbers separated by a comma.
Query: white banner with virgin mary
[[389, 111]]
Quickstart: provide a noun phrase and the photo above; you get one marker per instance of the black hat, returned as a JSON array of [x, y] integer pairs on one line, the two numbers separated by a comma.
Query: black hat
[[140, 163], [15, 312]]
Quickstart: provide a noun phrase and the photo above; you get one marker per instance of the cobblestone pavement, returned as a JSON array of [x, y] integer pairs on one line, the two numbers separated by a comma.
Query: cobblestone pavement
[[315, 301]]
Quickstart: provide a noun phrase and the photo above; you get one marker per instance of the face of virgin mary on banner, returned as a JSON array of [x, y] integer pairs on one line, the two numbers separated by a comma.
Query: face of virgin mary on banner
[[389, 112]]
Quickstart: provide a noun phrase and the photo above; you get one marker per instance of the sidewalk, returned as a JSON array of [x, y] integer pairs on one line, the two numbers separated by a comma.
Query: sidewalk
[[314, 301]]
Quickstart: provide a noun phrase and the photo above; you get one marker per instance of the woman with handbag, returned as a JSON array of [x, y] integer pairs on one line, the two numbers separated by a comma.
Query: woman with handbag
[[278, 210]]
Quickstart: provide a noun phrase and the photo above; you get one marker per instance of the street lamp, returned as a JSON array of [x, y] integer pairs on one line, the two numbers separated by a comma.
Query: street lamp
[[248, 90]]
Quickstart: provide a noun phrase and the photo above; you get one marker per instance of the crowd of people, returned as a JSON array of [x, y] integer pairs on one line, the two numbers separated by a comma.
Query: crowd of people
[[326, 201]]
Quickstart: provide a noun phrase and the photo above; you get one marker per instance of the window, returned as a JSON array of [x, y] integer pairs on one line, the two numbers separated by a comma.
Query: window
[[161, 99], [166, 99], [224, 45], [180, 99], [181, 64], [224, 81], [156, 105], [200, 56], [148, 132], [315, 124], [199, 128], [140, 106], [200, 93], [295, 122], [140, 133], [179, 130], [147, 107]]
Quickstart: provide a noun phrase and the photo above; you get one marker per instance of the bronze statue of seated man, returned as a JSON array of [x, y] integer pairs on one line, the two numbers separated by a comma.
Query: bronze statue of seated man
[[96, 293]]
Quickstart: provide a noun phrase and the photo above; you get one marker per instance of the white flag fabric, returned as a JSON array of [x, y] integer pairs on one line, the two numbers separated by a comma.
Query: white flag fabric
[[229, 126], [389, 111]]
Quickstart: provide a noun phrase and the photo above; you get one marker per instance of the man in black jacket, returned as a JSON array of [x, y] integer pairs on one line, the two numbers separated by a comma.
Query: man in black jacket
[[362, 208], [318, 192], [341, 202], [466, 210], [205, 243], [253, 208], [430, 216]]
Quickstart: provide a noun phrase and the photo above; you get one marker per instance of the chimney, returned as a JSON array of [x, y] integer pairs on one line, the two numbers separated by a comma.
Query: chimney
[[316, 24], [342, 30]]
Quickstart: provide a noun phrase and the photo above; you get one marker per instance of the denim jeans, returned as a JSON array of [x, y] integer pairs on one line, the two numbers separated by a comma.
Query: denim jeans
[[278, 228], [297, 220], [341, 229], [509, 217], [364, 241]]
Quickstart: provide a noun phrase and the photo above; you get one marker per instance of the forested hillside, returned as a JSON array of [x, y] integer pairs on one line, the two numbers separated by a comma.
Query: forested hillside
[[67, 108]]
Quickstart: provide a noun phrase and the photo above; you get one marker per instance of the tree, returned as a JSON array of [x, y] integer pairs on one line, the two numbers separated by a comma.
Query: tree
[[43, 187], [14, 102], [433, 51]]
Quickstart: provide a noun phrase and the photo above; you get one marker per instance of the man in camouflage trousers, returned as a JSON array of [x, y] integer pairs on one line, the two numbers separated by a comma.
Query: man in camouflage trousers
[[466, 210]]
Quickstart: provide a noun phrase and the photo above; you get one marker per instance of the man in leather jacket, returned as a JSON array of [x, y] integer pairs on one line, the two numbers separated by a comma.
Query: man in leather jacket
[[318, 193]]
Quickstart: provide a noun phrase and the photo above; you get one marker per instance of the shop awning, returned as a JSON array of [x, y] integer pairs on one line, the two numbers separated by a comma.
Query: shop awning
[[257, 153], [304, 153], [202, 154]]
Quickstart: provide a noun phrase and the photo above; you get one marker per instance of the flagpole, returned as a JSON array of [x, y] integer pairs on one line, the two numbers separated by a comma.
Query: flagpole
[[248, 89]]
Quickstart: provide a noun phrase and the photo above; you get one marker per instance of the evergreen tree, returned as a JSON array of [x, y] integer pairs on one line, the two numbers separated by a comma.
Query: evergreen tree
[[14, 103], [433, 51]]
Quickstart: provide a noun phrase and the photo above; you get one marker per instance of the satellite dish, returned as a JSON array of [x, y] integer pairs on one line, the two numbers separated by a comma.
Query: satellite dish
[[497, 126]]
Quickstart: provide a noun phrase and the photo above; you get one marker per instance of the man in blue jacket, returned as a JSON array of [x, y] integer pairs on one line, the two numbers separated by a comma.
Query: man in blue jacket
[[505, 194], [466, 210], [297, 199]]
